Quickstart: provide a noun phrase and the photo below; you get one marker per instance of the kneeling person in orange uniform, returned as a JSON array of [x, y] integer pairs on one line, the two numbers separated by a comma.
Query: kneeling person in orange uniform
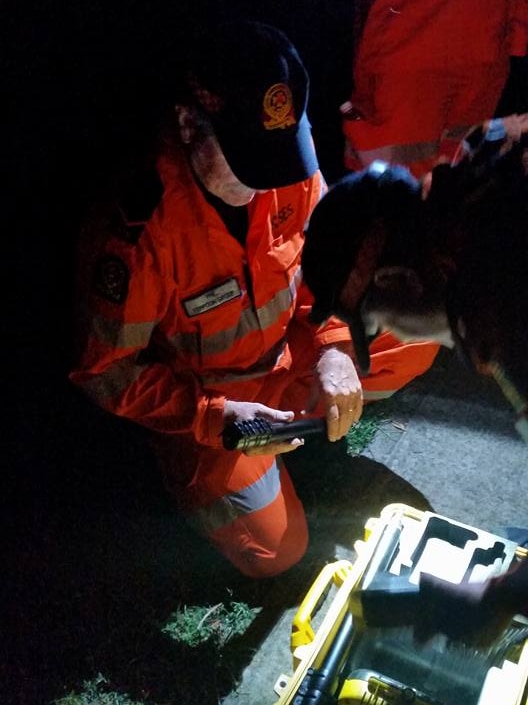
[[193, 314]]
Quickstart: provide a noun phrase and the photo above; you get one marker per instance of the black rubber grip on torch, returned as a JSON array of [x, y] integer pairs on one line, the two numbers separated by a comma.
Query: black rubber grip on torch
[[241, 435]]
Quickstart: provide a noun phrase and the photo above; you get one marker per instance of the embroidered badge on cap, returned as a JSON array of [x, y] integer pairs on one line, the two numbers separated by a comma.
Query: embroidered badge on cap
[[111, 278], [278, 107]]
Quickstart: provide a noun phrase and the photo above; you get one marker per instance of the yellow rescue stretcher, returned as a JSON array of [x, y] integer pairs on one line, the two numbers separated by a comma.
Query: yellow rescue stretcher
[[351, 660]]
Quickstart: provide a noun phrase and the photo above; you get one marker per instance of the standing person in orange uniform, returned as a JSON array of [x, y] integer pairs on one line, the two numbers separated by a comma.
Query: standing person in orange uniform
[[424, 72]]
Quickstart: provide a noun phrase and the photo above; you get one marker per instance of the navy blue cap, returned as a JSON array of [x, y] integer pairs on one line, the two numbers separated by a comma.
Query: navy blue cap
[[252, 83]]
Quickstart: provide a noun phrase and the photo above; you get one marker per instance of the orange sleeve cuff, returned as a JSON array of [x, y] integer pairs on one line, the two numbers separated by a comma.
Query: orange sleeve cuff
[[333, 331], [210, 421]]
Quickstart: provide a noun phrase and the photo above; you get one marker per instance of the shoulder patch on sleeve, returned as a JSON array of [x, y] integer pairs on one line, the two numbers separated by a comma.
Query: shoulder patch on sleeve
[[111, 279]]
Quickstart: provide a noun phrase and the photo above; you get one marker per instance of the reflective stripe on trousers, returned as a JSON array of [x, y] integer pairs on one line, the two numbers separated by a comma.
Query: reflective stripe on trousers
[[231, 506], [269, 540], [246, 506]]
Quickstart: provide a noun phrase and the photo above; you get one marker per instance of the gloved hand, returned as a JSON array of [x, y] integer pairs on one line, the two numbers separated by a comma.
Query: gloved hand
[[338, 382], [473, 613], [247, 410]]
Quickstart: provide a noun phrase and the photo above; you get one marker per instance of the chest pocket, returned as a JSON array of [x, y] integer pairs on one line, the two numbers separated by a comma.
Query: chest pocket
[[218, 320]]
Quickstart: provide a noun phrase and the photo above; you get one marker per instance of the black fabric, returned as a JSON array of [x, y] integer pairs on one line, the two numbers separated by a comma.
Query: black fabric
[[235, 218], [141, 196], [481, 211]]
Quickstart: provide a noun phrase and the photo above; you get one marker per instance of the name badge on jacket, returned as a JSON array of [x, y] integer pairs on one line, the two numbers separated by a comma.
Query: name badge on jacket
[[212, 298]]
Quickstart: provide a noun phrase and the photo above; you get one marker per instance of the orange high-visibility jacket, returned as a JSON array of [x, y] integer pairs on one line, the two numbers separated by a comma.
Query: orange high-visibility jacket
[[438, 34], [185, 316], [424, 72]]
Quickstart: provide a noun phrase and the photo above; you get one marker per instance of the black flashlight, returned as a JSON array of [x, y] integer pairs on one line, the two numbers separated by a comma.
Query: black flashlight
[[241, 435]]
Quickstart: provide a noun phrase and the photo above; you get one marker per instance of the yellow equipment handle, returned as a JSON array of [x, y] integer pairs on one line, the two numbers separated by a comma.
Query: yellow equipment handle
[[302, 632]]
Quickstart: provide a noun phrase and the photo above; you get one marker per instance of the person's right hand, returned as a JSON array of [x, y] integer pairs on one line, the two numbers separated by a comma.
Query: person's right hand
[[247, 411]]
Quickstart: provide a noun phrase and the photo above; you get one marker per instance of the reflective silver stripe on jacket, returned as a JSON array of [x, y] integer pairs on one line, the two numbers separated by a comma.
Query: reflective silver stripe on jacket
[[229, 508], [122, 335], [110, 384], [261, 367], [400, 153], [413, 152], [137, 335], [249, 321]]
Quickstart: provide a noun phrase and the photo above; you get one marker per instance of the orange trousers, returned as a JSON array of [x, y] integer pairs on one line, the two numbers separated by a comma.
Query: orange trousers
[[247, 506]]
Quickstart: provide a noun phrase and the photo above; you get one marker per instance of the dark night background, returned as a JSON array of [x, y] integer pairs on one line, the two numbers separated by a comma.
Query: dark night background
[[84, 84]]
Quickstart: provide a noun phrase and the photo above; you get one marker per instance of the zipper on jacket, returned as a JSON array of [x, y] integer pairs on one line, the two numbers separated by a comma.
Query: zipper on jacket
[[249, 286]]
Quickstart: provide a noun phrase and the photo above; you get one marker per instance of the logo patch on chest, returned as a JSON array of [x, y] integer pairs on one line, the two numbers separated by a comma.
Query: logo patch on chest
[[212, 298]]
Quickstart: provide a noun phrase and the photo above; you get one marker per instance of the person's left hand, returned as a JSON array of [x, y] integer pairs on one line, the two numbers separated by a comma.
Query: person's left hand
[[247, 410], [338, 383]]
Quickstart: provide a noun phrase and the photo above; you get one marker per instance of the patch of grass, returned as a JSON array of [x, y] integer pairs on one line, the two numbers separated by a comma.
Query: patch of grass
[[217, 624], [363, 432], [95, 693]]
